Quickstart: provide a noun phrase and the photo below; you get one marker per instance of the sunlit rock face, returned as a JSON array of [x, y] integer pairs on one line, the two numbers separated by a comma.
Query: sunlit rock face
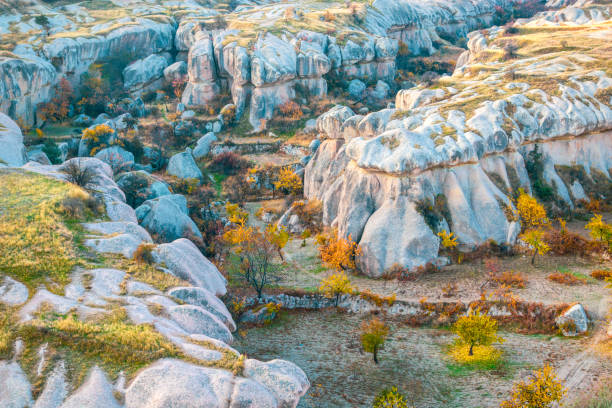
[[461, 148]]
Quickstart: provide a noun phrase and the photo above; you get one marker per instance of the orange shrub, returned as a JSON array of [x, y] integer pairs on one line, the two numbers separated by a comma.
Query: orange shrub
[[290, 110], [602, 274], [509, 278], [565, 279]]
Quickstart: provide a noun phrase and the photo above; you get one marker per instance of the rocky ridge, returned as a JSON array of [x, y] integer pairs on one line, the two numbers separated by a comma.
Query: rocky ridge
[[207, 372], [461, 147], [260, 53]]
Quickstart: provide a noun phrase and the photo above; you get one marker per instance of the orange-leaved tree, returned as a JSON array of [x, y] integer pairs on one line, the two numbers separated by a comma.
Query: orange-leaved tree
[[337, 253]]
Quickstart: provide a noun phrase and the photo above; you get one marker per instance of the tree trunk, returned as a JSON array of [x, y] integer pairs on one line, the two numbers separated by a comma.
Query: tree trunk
[[337, 298], [533, 257], [375, 354], [471, 352]]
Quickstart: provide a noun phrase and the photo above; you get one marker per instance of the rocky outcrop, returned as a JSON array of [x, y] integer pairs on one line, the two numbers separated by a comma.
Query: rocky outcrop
[[182, 165], [145, 74], [13, 152], [450, 157], [167, 218]]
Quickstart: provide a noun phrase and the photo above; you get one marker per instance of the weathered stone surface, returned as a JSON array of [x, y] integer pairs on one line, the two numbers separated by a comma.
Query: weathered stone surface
[[117, 158], [176, 72], [140, 186], [356, 89], [175, 383], [203, 145], [167, 218], [182, 165], [207, 300], [96, 392], [124, 244], [573, 321], [12, 292], [56, 388], [16, 390], [119, 227], [13, 152], [197, 320], [143, 73], [286, 380], [184, 259]]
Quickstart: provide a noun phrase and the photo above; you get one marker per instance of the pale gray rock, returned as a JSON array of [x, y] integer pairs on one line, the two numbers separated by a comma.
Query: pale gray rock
[[331, 121], [176, 72], [140, 186], [13, 152], [167, 218], [202, 86], [170, 382], [197, 320], [573, 321], [249, 393], [286, 380], [38, 156], [58, 303], [182, 165], [124, 244], [117, 158], [356, 89], [202, 297], [203, 145], [56, 388], [119, 227], [16, 389], [184, 260], [82, 120], [12, 292], [96, 392]]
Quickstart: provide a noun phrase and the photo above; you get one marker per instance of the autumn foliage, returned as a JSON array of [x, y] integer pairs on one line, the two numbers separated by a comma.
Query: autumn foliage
[[337, 253], [58, 107], [532, 213], [542, 390], [373, 336], [336, 285], [288, 181], [476, 329]]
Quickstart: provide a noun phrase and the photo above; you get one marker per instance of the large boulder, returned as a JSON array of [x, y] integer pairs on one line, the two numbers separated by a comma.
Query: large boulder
[[207, 300], [140, 186], [330, 122], [197, 320], [573, 321], [117, 158], [286, 380], [167, 218], [182, 165], [174, 383], [203, 145], [176, 72], [12, 152], [144, 73], [184, 260], [356, 89], [12, 292], [96, 392], [16, 390]]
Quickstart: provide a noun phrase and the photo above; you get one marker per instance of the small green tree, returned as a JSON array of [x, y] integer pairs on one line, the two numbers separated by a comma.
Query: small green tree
[[476, 329], [390, 398], [373, 336]]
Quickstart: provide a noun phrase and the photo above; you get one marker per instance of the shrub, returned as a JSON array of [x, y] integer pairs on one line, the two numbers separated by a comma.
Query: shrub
[[564, 242], [52, 151], [59, 106], [373, 336], [600, 230], [288, 181], [229, 162], [601, 274], [532, 213], [565, 279], [542, 390], [144, 253], [310, 213], [377, 299], [509, 278], [79, 174], [390, 398], [535, 239], [78, 203], [290, 110], [337, 253]]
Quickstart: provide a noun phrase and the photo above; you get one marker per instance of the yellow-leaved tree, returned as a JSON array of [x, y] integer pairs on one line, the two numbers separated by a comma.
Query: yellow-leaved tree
[[390, 398], [600, 230], [336, 285], [278, 237], [476, 329], [542, 390], [532, 213], [337, 253], [535, 239], [373, 336]]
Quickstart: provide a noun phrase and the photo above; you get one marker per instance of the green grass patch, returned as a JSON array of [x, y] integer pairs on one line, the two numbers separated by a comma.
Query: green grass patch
[[37, 244]]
